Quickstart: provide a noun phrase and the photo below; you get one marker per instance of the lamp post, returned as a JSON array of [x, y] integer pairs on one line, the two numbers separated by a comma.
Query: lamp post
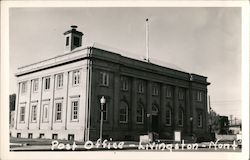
[[102, 101], [148, 116], [191, 125]]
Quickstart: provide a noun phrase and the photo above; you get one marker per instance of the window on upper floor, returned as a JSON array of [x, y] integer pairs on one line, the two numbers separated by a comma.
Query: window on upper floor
[[140, 87], [124, 83], [104, 79], [35, 85], [76, 78], [23, 87], [47, 83], [181, 94], [59, 80], [199, 96], [155, 91], [168, 92]]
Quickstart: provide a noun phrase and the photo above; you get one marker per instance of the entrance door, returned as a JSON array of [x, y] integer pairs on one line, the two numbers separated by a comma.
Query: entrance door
[[155, 123], [155, 119]]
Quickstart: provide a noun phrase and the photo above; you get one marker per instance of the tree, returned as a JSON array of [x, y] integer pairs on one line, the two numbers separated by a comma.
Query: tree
[[12, 102], [214, 121]]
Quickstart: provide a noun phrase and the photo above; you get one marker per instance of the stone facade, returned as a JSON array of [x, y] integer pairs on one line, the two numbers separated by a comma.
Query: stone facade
[[60, 97]]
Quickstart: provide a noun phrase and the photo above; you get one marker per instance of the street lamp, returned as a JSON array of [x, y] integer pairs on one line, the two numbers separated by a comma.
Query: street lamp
[[191, 125], [148, 116], [102, 101]]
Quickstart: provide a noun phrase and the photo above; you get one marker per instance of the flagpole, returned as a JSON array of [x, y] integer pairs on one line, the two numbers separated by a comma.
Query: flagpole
[[147, 40]]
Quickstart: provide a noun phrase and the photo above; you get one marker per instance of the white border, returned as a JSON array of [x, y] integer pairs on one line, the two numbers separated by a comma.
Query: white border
[[5, 154]]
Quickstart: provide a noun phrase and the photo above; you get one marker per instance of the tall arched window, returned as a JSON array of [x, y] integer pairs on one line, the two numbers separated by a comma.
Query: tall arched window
[[123, 112], [168, 116], [140, 114], [180, 117]]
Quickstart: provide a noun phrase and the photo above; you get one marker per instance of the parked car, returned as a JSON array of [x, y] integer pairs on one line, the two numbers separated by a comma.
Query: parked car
[[239, 139]]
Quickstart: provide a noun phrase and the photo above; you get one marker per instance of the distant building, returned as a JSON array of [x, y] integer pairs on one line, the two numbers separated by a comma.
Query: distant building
[[59, 98], [224, 125]]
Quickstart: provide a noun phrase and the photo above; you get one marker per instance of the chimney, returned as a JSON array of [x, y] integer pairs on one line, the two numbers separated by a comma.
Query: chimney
[[73, 39]]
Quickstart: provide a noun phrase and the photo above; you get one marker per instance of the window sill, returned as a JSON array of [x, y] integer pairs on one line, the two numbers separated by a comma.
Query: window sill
[[121, 122], [76, 85], [58, 88], [139, 123], [75, 120], [140, 92], [102, 85]]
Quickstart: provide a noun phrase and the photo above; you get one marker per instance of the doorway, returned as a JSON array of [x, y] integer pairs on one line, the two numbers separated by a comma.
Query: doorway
[[155, 123]]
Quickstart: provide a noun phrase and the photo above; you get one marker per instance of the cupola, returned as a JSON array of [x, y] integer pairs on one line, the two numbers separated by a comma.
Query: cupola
[[73, 39]]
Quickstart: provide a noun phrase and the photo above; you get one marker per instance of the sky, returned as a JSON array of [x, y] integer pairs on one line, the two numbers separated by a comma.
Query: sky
[[205, 41]]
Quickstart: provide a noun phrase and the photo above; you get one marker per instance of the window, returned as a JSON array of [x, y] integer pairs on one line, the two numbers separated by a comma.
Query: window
[[67, 41], [45, 113], [104, 81], [41, 135], [54, 136], [181, 94], [168, 92], [58, 113], [59, 80], [71, 137], [30, 135], [47, 83], [199, 96], [22, 114], [168, 116], [123, 112], [139, 114], [35, 85], [140, 87], [23, 87], [124, 81], [155, 91], [74, 110], [18, 135], [33, 113], [76, 41], [76, 77], [199, 119], [180, 117]]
